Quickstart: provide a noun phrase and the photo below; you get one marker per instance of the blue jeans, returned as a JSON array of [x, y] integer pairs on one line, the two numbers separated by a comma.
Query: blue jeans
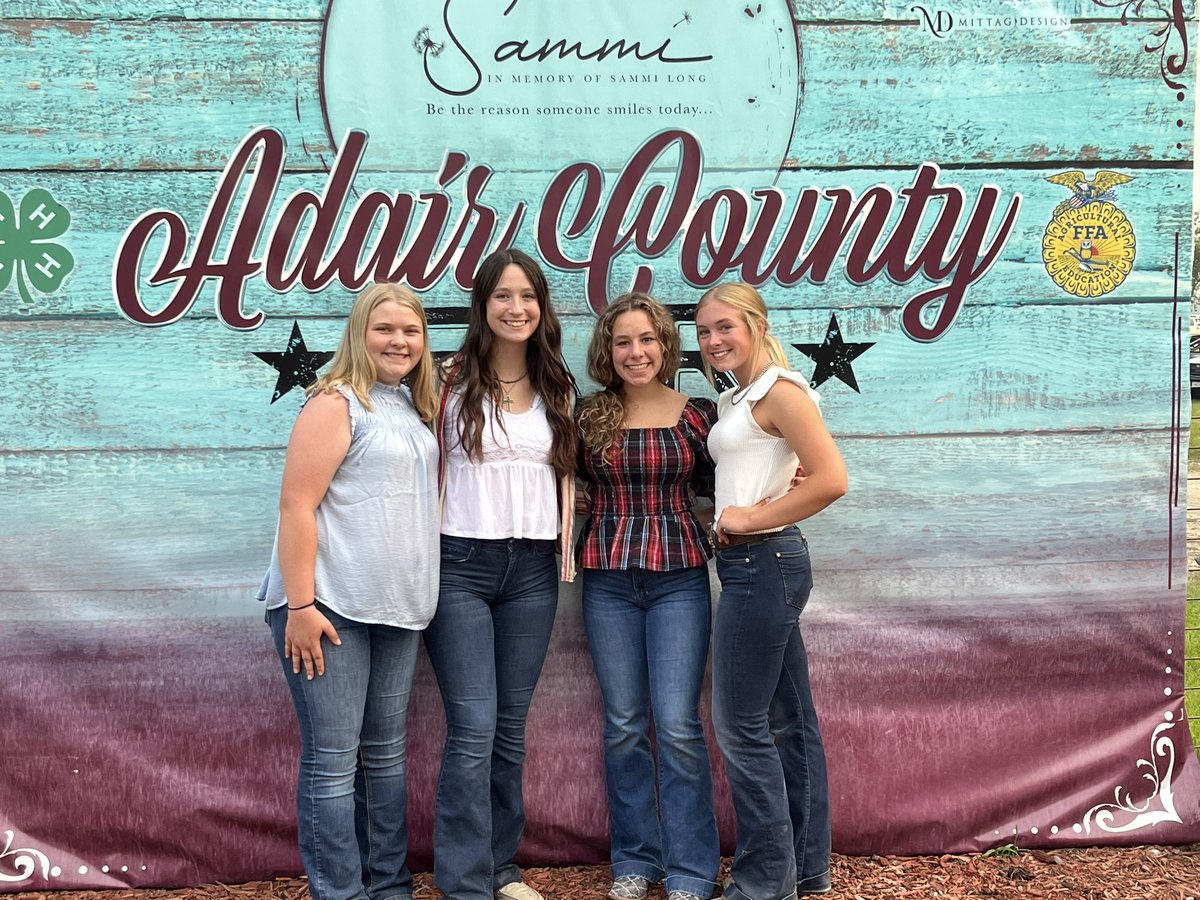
[[487, 644], [352, 796], [765, 721], [648, 633]]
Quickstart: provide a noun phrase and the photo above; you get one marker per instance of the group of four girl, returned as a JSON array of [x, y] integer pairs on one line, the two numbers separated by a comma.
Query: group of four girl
[[388, 529]]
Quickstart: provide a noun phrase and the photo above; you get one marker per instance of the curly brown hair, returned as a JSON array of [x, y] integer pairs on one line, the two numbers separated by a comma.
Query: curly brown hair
[[602, 414]]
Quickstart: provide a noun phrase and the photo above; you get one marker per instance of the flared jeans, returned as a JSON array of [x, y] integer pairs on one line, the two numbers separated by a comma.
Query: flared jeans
[[765, 721]]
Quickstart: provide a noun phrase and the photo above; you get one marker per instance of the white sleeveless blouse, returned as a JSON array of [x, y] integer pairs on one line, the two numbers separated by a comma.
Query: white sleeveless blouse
[[377, 531], [512, 492], [750, 463]]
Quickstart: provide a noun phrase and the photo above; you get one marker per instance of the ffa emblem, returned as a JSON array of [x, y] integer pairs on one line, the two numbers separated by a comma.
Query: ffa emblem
[[1088, 246]]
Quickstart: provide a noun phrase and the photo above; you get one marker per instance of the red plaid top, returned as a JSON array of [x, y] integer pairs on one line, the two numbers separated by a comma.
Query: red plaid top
[[640, 511]]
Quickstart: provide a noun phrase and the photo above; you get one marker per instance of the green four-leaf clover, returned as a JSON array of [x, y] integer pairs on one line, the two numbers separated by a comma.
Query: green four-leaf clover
[[27, 249]]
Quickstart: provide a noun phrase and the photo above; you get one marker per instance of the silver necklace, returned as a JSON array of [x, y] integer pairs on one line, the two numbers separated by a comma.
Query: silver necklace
[[507, 400], [740, 393]]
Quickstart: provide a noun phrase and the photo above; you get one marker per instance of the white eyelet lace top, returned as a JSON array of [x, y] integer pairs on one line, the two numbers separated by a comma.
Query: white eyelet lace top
[[512, 491]]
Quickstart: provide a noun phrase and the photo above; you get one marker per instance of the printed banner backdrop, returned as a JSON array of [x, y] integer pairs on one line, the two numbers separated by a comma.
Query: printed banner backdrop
[[971, 222]]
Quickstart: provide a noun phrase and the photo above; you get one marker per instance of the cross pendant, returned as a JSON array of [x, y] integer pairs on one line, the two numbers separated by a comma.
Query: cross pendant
[[507, 401]]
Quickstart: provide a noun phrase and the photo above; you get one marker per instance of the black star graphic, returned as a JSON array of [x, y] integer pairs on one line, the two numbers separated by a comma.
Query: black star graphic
[[692, 359], [833, 356], [297, 365]]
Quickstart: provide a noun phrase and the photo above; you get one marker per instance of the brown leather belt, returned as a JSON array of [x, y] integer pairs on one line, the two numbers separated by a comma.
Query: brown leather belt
[[736, 540]]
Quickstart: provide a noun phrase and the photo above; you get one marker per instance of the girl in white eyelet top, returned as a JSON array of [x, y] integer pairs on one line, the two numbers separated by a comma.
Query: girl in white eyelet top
[[511, 491], [508, 458]]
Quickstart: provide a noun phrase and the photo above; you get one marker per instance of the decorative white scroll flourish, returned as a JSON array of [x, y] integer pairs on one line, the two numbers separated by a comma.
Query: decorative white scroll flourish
[[26, 862], [1161, 747]]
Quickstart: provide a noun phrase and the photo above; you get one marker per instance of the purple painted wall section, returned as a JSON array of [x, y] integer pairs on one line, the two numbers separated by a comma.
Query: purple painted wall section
[[172, 747]]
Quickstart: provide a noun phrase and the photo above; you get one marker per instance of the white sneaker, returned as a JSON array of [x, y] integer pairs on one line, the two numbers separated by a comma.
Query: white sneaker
[[629, 887], [518, 890]]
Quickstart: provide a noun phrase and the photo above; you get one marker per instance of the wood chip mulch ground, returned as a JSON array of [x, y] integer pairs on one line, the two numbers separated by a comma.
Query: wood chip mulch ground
[[1128, 873]]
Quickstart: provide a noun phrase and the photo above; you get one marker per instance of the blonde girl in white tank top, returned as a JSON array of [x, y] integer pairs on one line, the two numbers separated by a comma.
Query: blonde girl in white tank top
[[763, 711]]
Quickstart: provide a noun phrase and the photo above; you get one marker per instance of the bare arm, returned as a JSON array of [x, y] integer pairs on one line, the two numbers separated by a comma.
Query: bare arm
[[319, 441], [786, 411]]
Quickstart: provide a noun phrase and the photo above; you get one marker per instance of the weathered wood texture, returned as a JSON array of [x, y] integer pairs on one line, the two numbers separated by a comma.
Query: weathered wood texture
[[96, 520], [184, 92], [825, 11], [997, 585], [1031, 390], [103, 385], [848, 596]]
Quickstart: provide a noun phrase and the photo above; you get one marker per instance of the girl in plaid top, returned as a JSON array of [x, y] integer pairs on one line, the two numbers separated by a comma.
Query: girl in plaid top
[[646, 600]]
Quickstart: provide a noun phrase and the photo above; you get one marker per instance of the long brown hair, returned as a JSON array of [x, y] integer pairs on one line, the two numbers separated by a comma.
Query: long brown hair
[[473, 378], [602, 414], [352, 365]]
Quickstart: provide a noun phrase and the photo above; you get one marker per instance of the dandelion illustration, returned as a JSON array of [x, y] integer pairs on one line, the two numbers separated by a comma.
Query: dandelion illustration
[[687, 17], [423, 43]]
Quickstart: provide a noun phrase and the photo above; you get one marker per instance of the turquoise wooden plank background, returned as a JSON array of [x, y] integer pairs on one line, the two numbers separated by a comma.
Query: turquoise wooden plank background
[[1054, 371], [216, 499], [230, 76], [818, 12], [1026, 458]]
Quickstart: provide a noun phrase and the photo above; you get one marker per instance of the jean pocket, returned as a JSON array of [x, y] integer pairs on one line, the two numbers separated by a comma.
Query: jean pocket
[[795, 570], [734, 571], [544, 549], [457, 549]]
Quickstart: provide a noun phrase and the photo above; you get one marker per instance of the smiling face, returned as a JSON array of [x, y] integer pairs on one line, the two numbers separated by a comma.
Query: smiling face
[[725, 339], [513, 311], [394, 341], [637, 355]]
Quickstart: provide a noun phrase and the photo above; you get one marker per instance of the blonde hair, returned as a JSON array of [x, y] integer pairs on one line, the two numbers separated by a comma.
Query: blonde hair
[[749, 304], [602, 415], [353, 367]]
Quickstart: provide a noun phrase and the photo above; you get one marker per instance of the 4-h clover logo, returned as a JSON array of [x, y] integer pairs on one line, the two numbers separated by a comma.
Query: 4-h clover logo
[[27, 249]]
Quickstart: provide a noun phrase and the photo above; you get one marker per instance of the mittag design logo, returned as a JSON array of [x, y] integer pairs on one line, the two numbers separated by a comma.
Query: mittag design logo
[[1089, 245], [533, 85]]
